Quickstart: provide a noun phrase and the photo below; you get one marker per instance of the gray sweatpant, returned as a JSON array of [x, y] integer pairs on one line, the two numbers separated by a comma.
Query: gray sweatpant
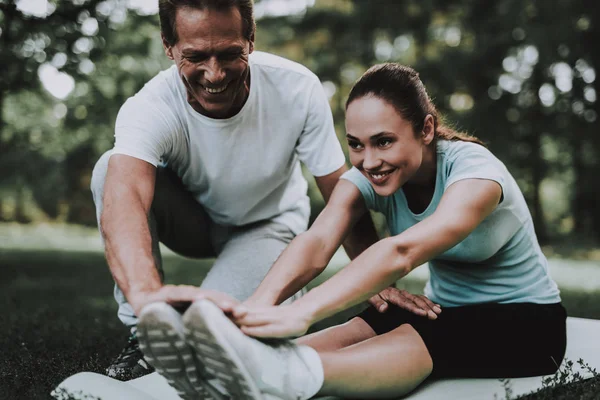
[[244, 254]]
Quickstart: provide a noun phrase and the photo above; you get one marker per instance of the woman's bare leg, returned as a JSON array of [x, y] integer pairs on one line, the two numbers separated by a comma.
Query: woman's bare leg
[[336, 337], [384, 366]]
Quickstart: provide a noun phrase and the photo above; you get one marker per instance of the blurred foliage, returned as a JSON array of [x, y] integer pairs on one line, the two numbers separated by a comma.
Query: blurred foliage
[[520, 74], [49, 145]]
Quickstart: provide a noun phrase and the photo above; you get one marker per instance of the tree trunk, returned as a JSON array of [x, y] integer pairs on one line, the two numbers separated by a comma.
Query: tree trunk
[[586, 199], [578, 203], [2, 148], [537, 175], [538, 166]]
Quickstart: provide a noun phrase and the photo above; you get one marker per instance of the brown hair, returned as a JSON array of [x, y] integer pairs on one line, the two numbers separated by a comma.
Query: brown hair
[[167, 10], [401, 86]]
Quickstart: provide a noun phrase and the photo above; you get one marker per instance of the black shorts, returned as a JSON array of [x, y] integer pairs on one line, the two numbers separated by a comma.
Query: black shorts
[[485, 340]]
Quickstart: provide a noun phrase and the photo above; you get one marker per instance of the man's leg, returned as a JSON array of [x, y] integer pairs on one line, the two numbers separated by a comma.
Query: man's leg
[[178, 221], [245, 256]]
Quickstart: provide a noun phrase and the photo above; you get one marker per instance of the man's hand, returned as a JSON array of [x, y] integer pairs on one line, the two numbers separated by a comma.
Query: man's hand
[[417, 304], [180, 297]]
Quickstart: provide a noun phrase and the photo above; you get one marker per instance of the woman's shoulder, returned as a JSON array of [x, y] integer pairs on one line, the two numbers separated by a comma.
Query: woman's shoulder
[[453, 154], [459, 160], [456, 148]]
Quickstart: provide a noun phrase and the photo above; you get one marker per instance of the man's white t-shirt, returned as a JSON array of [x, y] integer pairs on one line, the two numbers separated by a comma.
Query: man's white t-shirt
[[245, 168]]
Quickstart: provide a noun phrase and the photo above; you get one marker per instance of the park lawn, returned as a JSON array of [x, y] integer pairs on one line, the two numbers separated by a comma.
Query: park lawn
[[58, 318]]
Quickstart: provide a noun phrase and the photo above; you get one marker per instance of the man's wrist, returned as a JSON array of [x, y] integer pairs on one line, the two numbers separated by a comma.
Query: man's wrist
[[138, 297]]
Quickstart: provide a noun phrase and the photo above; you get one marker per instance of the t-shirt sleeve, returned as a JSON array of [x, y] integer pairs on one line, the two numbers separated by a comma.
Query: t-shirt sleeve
[[318, 146], [372, 200], [476, 162], [142, 131]]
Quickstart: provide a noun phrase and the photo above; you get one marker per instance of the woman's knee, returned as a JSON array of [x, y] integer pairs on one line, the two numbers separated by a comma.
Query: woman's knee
[[416, 346], [339, 336]]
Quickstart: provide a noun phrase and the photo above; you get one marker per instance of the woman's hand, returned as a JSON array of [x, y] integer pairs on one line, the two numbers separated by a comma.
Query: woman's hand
[[222, 300], [417, 304], [271, 321]]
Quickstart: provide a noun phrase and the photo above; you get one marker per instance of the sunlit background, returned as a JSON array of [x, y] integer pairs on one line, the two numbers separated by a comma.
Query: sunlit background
[[519, 74]]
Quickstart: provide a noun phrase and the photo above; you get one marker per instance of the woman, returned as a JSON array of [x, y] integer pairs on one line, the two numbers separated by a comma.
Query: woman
[[448, 201]]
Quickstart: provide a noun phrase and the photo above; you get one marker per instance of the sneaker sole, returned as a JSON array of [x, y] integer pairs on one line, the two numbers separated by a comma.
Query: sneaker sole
[[165, 349], [220, 359]]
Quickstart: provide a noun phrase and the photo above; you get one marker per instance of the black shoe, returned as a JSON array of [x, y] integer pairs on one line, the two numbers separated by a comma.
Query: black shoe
[[130, 364]]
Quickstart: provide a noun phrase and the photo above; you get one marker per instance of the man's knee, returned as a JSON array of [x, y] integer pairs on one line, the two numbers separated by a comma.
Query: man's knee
[[99, 176]]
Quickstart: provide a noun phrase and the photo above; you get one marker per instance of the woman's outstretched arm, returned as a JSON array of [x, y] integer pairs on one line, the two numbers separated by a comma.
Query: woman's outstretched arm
[[464, 205], [309, 253]]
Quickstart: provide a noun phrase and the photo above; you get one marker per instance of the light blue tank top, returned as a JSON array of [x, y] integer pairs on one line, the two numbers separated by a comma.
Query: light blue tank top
[[500, 261]]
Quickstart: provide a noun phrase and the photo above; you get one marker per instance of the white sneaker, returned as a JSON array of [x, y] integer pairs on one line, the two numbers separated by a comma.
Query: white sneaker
[[161, 335], [247, 368]]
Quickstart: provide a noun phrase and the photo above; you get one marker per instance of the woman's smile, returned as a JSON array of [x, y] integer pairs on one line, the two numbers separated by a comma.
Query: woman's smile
[[380, 177]]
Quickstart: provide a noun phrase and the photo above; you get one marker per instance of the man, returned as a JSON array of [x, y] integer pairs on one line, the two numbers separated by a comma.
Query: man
[[206, 161]]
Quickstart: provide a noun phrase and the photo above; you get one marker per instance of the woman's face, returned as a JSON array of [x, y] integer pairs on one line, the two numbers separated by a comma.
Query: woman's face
[[383, 145]]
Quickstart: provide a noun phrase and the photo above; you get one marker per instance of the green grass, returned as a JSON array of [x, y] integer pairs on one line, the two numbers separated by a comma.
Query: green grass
[[565, 384], [58, 316], [581, 390]]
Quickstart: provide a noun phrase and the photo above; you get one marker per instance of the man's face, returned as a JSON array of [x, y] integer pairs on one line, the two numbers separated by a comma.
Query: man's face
[[212, 58]]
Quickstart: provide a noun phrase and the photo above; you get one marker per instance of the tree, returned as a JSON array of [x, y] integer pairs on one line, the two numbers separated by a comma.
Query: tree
[[492, 67], [106, 55], [520, 74]]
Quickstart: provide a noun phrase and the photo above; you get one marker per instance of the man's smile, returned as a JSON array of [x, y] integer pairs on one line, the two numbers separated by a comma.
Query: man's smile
[[215, 90]]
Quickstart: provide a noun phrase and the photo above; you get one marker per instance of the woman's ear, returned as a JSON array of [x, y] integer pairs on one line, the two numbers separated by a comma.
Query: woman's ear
[[428, 130]]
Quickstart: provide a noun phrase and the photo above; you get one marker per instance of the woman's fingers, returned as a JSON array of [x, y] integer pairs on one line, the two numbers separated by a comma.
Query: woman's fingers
[[251, 318], [276, 329], [222, 300], [270, 331], [239, 312]]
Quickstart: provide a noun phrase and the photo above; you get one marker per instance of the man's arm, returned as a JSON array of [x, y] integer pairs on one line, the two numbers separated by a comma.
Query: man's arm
[[363, 234], [128, 194]]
